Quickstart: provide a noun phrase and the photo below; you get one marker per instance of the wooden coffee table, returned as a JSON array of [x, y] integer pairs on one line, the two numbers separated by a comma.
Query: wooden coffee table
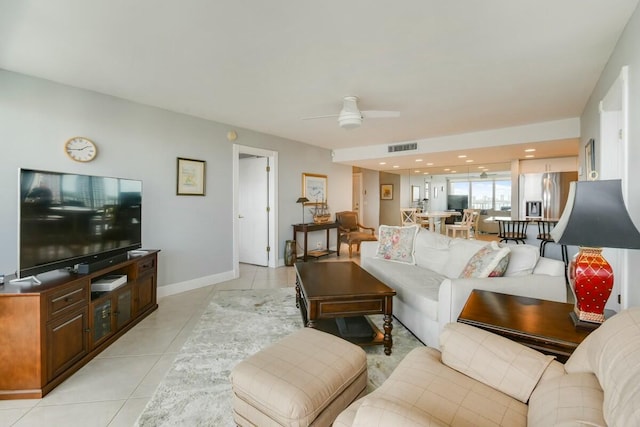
[[326, 291], [540, 324]]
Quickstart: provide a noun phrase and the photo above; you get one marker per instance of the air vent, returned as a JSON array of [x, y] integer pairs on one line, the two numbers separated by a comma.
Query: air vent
[[403, 147]]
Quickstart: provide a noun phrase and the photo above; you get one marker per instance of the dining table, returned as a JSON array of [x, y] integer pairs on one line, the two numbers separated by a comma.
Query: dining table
[[436, 215]]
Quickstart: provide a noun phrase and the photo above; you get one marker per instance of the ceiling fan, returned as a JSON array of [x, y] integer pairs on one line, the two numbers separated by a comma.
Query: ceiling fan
[[350, 117]]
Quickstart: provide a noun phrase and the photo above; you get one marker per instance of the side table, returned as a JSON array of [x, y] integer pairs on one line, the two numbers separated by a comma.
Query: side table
[[306, 228], [539, 324]]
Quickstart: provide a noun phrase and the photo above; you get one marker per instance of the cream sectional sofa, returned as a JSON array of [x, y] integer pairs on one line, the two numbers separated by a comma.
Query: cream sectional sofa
[[430, 293], [481, 379]]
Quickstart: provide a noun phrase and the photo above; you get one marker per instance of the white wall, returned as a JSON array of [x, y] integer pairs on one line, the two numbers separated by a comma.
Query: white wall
[[136, 141], [627, 52]]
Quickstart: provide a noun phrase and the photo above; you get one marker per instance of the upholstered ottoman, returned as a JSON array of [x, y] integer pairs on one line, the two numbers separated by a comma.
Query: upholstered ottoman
[[305, 379]]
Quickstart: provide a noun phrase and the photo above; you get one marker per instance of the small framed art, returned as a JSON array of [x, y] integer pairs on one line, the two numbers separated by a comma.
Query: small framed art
[[314, 188], [386, 191], [190, 177]]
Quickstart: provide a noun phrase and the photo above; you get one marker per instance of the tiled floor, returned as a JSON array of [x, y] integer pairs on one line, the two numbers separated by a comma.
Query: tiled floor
[[113, 389]]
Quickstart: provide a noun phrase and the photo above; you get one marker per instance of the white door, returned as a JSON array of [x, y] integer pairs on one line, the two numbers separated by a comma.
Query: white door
[[253, 214]]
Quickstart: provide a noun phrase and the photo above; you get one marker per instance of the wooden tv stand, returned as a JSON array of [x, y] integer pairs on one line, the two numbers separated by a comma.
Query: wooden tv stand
[[49, 331]]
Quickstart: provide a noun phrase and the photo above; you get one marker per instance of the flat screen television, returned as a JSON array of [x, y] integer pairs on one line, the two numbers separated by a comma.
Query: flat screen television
[[68, 219], [457, 202]]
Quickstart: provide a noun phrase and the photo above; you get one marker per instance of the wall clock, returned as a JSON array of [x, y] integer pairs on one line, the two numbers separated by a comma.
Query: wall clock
[[81, 149]]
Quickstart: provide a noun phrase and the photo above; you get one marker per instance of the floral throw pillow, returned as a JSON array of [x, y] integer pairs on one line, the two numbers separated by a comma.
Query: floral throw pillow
[[490, 261], [397, 243]]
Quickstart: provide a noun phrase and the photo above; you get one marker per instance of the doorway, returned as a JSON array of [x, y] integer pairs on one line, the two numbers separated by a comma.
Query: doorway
[[254, 207]]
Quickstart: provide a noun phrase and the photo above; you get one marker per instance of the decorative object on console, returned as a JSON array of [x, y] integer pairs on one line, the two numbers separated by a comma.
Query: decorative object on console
[[595, 217], [190, 177], [302, 200], [321, 213]]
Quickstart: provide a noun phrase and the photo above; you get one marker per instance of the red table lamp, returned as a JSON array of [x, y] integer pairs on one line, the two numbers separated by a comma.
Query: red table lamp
[[594, 217]]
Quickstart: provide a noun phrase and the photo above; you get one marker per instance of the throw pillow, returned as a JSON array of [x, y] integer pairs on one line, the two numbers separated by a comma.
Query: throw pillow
[[397, 243], [490, 261]]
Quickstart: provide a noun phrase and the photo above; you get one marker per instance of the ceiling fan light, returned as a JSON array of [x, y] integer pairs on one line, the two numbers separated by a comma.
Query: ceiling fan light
[[350, 121]]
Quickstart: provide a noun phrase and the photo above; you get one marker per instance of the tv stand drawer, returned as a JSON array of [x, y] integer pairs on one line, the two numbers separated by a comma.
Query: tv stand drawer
[[68, 298]]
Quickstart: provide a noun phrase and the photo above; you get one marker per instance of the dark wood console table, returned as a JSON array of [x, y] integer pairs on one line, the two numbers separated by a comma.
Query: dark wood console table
[[540, 324], [306, 228], [49, 331]]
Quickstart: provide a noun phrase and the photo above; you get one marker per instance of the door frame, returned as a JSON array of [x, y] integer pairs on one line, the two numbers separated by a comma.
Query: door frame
[[273, 203]]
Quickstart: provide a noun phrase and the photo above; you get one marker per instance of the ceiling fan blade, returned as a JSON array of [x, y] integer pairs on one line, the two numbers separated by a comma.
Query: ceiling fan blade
[[379, 114], [320, 117]]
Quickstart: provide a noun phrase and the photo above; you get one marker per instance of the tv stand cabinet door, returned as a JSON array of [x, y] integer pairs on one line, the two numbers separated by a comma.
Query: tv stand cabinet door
[[67, 342]]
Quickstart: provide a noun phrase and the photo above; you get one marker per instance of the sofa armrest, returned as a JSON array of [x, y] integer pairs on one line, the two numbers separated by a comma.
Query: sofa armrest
[[368, 249], [378, 411], [453, 293]]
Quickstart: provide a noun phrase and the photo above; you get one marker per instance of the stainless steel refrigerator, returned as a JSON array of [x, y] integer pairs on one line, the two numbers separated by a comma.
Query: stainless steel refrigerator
[[543, 195]]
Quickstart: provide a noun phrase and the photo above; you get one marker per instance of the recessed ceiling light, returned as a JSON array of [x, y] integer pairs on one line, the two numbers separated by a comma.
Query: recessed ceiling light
[[396, 166], [447, 170], [480, 167], [382, 163], [528, 156], [425, 173], [529, 150], [418, 160], [454, 171], [469, 161], [462, 156], [416, 171], [429, 164]]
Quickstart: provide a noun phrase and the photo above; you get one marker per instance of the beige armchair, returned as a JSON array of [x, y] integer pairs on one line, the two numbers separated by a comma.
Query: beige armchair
[[351, 231], [482, 379]]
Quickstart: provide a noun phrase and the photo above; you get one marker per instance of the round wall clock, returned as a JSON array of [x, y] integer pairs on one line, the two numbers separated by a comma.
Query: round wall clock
[[81, 149]]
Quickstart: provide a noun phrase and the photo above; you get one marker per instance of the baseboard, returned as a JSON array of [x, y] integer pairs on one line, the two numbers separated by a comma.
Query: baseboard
[[189, 285]]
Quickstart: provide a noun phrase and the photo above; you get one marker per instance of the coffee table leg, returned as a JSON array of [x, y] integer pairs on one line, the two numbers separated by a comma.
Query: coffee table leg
[[388, 341]]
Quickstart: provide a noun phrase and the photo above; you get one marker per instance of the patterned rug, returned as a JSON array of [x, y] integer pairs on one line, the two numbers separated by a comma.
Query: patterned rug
[[235, 325]]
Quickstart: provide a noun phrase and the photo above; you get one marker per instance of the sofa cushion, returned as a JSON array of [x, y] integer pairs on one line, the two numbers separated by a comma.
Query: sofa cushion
[[397, 243], [415, 286], [460, 252], [490, 261], [612, 353], [491, 359], [523, 260], [378, 411], [572, 399], [423, 381], [432, 250]]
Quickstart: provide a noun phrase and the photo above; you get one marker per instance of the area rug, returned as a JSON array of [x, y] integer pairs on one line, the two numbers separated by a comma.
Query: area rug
[[236, 324]]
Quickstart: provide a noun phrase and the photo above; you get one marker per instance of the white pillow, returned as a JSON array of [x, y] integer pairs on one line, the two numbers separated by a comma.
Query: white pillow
[[397, 243], [523, 260]]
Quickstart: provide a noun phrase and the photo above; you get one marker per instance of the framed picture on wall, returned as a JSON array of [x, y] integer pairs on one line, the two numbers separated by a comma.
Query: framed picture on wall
[[190, 177], [415, 193], [386, 191], [314, 188]]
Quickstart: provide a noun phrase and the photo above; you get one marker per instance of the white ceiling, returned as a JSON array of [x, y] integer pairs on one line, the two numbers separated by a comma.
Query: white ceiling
[[449, 67]]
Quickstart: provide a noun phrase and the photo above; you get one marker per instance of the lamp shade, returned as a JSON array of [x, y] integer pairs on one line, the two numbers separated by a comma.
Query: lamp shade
[[595, 216], [302, 200]]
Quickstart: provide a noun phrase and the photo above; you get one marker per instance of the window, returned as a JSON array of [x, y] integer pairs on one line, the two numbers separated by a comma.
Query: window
[[485, 193]]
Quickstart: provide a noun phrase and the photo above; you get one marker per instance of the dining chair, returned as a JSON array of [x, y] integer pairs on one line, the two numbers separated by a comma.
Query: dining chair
[[544, 235], [464, 226], [408, 216], [512, 229], [351, 231]]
